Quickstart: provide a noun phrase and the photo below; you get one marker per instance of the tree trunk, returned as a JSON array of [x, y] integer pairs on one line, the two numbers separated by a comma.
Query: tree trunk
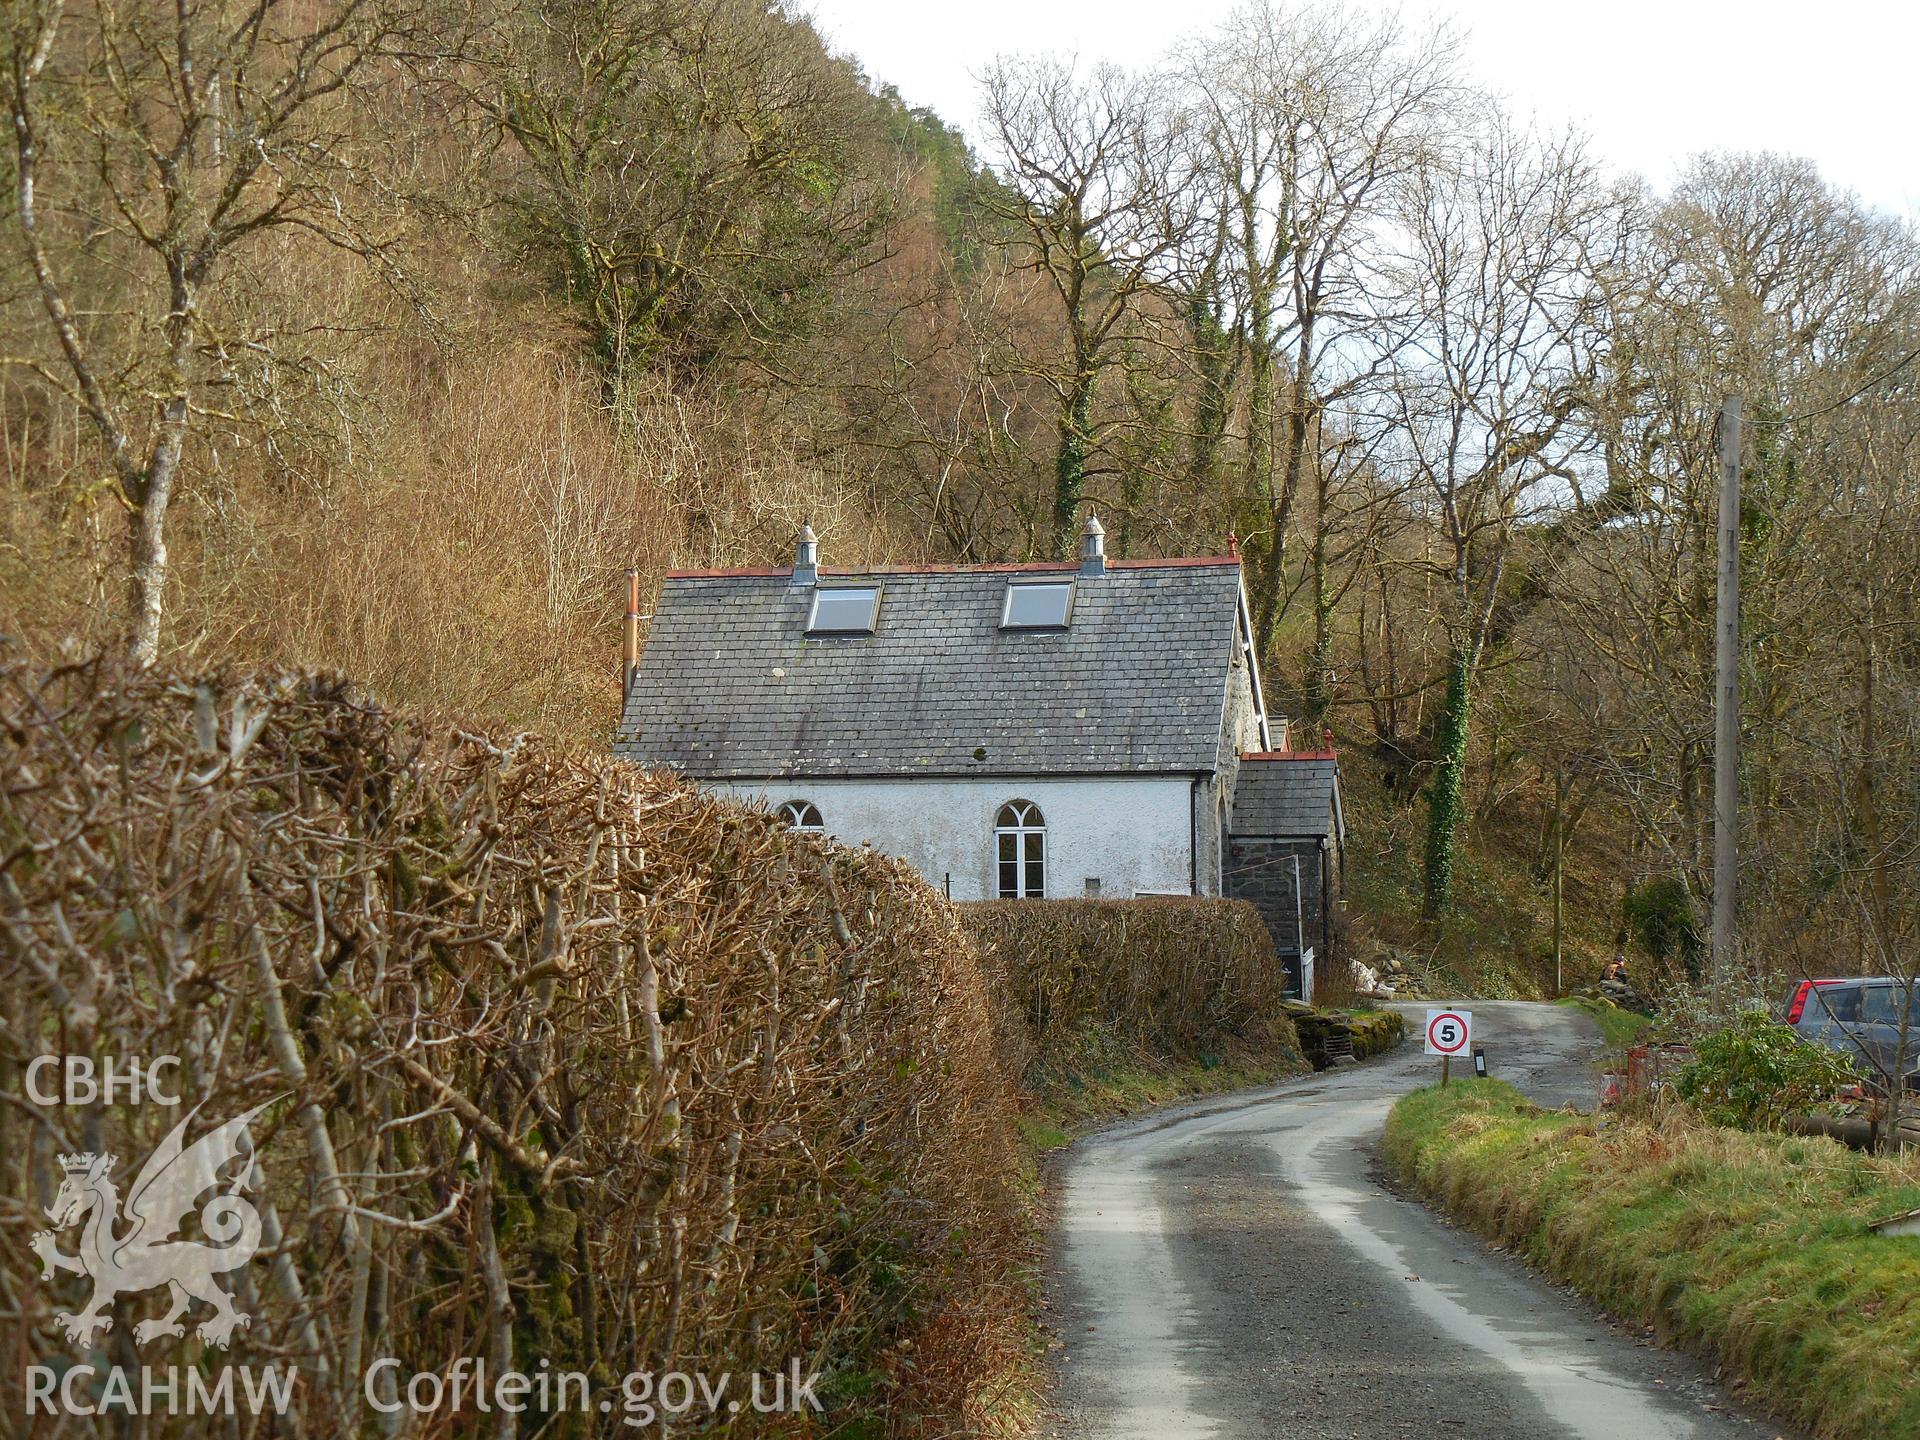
[[1070, 463], [1268, 603], [147, 537], [1212, 401], [147, 582], [1266, 550], [1443, 797], [1879, 891], [1897, 1081], [1320, 677], [1270, 592]]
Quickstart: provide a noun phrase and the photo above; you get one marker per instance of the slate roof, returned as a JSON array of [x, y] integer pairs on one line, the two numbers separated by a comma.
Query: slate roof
[[1286, 796], [731, 688]]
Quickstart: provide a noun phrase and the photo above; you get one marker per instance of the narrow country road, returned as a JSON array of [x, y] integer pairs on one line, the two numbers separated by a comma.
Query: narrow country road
[[1234, 1268]]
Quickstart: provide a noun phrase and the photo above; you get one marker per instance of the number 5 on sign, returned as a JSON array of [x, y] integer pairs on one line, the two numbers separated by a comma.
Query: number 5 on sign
[[1449, 1032]]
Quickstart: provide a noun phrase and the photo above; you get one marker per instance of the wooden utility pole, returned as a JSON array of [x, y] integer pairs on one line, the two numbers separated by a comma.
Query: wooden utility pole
[[1726, 707], [1559, 909]]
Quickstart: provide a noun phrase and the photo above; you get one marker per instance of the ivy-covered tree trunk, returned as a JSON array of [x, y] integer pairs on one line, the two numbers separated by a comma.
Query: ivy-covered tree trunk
[[1320, 681], [1213, 400], [1269, 599], [1070, 463], [1320, 676], [1261, 541], [1444, 795]]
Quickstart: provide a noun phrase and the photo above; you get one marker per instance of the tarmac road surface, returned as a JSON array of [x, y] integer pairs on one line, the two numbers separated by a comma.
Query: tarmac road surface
[[1235, 1268]]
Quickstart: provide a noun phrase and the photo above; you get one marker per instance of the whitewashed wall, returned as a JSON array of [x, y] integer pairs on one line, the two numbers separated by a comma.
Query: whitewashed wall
[[1133, 834]]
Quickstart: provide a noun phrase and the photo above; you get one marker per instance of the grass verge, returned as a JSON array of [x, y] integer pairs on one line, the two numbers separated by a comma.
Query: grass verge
[[1622, 1028], [1754, 1248], [1069, 1103]]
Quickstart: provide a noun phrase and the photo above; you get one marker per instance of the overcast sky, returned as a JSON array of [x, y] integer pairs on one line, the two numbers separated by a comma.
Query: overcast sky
[[1653, 82]]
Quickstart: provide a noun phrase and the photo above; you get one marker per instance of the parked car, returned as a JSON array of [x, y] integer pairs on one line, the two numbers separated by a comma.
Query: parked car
[[1860, 1017]]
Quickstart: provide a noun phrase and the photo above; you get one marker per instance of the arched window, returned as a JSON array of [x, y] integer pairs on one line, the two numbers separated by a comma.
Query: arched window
[[802, 815], [1020, 843]]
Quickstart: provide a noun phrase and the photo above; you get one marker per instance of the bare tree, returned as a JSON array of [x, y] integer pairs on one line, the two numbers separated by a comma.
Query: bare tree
[[1849, 777], [1755, 277], [156, 147], [1311, 120], [1489, 382], [691, 173], [1097, 202]]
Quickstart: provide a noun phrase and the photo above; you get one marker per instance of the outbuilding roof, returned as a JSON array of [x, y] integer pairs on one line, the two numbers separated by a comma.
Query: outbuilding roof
[[731, 686], [1287, 796]]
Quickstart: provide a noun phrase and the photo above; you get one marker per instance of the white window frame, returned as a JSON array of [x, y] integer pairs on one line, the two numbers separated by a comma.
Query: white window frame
[[1020, 821], [873, 610], [1006, 604], [796, 812]]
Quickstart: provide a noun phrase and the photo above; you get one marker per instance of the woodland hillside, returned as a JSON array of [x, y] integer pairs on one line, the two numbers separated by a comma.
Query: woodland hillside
[[382, 335]]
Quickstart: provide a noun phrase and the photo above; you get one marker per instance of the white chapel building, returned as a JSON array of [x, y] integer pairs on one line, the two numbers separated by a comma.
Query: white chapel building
[[1014, 731]]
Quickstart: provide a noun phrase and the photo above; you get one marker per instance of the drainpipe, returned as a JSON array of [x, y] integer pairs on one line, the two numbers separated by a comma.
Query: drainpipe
[[1326, 901], [1193, 836], [1299, 919]]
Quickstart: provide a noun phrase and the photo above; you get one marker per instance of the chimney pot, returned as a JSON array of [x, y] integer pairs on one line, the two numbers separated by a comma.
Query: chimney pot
[[806, 557], [1093, 546]]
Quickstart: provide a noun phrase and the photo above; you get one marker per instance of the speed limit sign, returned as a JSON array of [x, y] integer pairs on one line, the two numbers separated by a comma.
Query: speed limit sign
[[1449, 1032]]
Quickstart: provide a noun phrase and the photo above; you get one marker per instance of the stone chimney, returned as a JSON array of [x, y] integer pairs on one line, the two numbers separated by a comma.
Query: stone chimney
[[1093, 547], [806, 557]]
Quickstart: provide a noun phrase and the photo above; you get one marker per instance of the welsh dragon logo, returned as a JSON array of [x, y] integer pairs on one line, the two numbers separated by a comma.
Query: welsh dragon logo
[[145, 1255]]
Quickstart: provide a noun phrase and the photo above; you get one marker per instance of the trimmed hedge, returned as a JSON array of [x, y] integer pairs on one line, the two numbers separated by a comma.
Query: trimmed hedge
[[1177, 978], [577, 1065]]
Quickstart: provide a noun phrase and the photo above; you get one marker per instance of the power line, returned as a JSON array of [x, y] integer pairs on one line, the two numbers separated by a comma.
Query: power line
[[1880, 379]]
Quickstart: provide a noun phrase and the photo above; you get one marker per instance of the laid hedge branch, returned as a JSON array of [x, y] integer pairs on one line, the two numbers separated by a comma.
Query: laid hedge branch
[[634, 1079]]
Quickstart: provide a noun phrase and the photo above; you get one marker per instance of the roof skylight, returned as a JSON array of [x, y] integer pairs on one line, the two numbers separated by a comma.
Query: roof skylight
[[1037, 605], [844, 610]]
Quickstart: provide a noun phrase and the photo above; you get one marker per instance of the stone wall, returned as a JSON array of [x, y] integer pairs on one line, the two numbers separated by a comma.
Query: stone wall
[[1261, 871]]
